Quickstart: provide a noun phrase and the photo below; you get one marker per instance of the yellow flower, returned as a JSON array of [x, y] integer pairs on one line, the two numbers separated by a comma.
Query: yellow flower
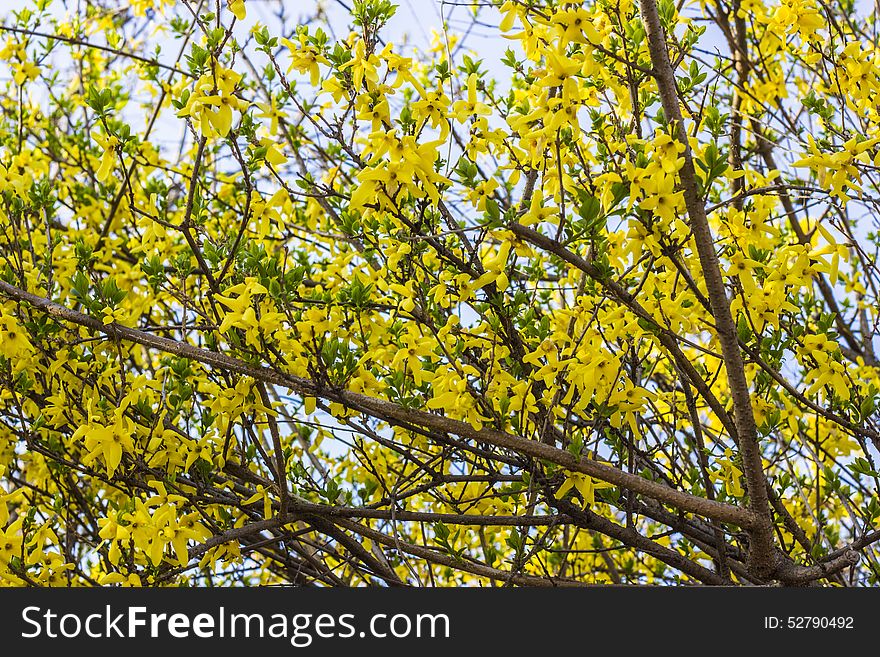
[[107, 441], [584, 485], [274, 156], [14, 342], [666, 151], [10, 542], [665, 204], [575, 25], [462, 110], [270, 111], [729, 475], [304, 58], [237, 8], [411, 353], [25, 71], [108, 144], [221, 118]]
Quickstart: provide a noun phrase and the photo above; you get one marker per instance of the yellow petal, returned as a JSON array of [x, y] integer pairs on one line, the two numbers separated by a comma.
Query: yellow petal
[[106, 166], [237, 8]]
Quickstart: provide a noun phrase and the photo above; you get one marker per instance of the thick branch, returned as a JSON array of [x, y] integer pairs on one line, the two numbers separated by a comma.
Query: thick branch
[[590, 520], [762, 549], [393, 412]]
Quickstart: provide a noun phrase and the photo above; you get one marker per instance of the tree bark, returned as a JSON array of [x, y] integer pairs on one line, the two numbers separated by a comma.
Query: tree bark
[[762, 548]]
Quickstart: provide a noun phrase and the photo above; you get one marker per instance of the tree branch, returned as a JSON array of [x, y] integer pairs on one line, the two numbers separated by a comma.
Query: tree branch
[[762, 548], [394, 412]]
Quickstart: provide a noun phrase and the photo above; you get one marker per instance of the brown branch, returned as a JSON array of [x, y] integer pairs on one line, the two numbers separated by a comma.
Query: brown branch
[[793, 574], [187, 217], [280, 465], [590, 520], [393, 412], [762, 547], [96, 46], [459, 564]]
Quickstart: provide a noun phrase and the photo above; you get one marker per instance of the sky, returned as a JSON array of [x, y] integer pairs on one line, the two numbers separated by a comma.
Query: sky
[[413, 21]]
